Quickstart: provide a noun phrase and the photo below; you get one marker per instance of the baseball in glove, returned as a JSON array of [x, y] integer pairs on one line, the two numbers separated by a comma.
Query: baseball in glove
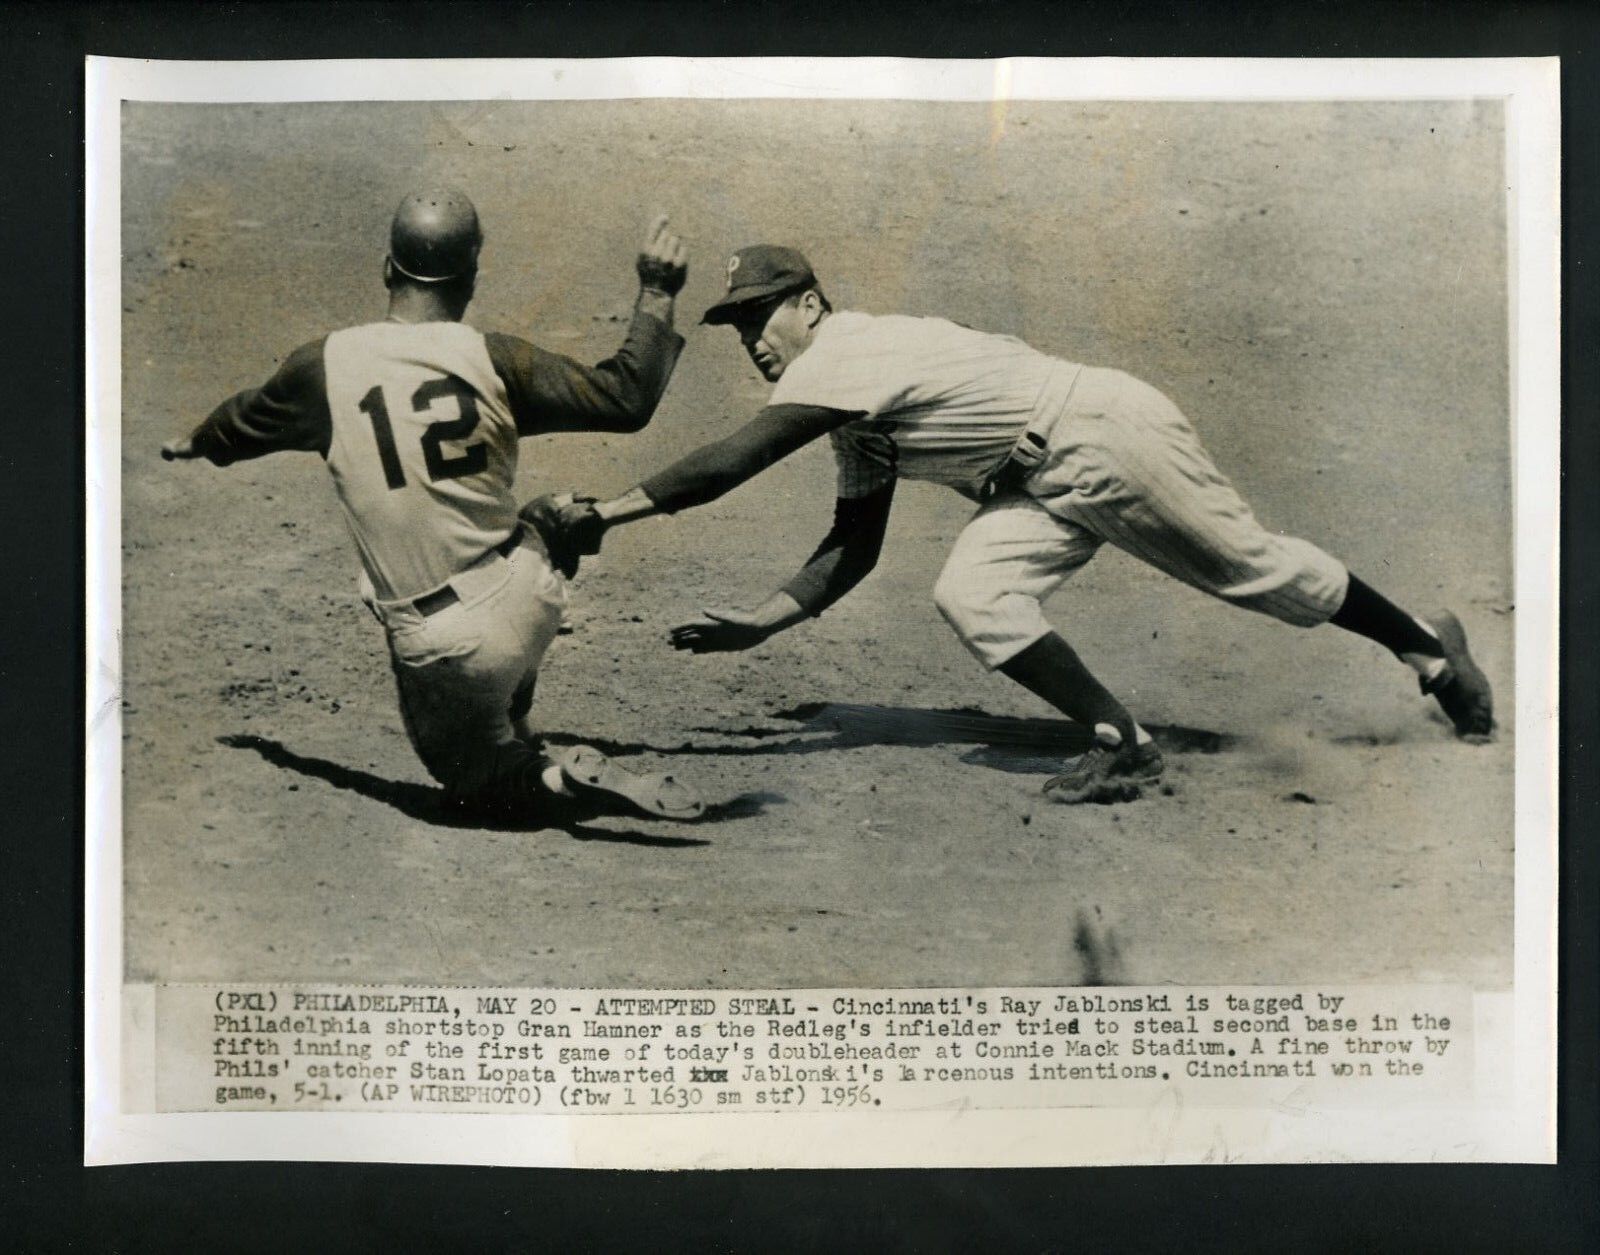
[[569, 527]]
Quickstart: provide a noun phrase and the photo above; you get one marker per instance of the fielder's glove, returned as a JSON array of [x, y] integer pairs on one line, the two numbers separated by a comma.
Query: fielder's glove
[[569, 527]]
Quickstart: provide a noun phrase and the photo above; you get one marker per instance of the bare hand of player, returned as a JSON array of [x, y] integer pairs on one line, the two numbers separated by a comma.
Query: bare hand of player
[[664, 260], [728, 630], [178, 450]]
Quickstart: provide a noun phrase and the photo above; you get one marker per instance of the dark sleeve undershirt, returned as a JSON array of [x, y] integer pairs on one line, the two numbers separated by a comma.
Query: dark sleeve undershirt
[[723, 465], [847, 553], [549, 392], [288, 412]]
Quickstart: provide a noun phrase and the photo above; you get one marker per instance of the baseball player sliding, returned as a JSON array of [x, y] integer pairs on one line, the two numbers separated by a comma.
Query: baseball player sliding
[[418, 418], [1062, 458]]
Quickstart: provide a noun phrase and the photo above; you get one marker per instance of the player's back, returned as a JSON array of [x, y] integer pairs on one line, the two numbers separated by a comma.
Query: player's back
[[423, 450], [957, 399], [904, 364]]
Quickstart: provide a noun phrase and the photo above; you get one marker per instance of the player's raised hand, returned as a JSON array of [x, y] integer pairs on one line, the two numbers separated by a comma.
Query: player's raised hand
[[663, 260], [722, 631], [179, 450]]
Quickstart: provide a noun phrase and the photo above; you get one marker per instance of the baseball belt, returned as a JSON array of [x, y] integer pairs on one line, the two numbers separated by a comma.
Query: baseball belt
[[444, 596], [1028, 454]]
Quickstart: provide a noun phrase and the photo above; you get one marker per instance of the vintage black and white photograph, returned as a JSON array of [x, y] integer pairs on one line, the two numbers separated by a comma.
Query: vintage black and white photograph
[[806, 542]]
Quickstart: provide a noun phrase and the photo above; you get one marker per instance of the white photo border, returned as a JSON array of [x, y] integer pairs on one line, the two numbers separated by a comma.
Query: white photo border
[[1530, 89]]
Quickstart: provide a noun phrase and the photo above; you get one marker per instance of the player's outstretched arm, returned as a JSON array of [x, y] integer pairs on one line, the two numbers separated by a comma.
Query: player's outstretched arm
[[288, 412], [721, 466], [844, 558], [577, 526], [708, 472], [725, 630]]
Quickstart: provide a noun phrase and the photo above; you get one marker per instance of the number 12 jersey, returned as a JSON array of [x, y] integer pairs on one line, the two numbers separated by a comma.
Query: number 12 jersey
[[419, 424]]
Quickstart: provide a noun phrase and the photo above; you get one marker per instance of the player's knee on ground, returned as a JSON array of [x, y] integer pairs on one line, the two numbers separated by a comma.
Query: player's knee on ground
[[994, 622], [521, 702], [506, 776], [459, 772]]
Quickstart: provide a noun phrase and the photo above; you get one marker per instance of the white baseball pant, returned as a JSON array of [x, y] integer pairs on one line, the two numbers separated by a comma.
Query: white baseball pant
[[466, 671], [1122, 465]]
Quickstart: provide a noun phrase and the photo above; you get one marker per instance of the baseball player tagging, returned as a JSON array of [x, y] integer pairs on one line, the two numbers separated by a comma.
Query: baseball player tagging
[[418, 418], [1062, 459]]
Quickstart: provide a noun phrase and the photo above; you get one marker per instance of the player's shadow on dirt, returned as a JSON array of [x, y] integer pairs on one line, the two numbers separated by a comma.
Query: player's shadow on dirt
[[432, 805], [1005, 743]]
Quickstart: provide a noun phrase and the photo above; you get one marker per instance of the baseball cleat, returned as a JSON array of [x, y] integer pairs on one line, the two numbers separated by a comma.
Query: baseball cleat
[[1461, 689], [1107, 773], [595, 778]]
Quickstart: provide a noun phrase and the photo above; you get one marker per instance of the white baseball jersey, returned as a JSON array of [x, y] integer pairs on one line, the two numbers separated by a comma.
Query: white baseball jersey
[[419, 425], [940, 402], [944, 403], [423, 450]]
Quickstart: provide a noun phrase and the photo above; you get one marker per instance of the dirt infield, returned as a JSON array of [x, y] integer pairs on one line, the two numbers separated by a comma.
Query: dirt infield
[[1319, 287]]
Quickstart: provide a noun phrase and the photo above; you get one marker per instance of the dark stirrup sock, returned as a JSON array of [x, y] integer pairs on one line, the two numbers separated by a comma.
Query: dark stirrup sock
[[1050, 668], [1367, 612]]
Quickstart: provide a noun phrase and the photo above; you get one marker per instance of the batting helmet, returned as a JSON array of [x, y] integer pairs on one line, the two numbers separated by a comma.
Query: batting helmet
[[435, 236]]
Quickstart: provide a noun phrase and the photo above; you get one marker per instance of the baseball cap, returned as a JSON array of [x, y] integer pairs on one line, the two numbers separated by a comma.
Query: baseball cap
[[759, 273], [435, 235]]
